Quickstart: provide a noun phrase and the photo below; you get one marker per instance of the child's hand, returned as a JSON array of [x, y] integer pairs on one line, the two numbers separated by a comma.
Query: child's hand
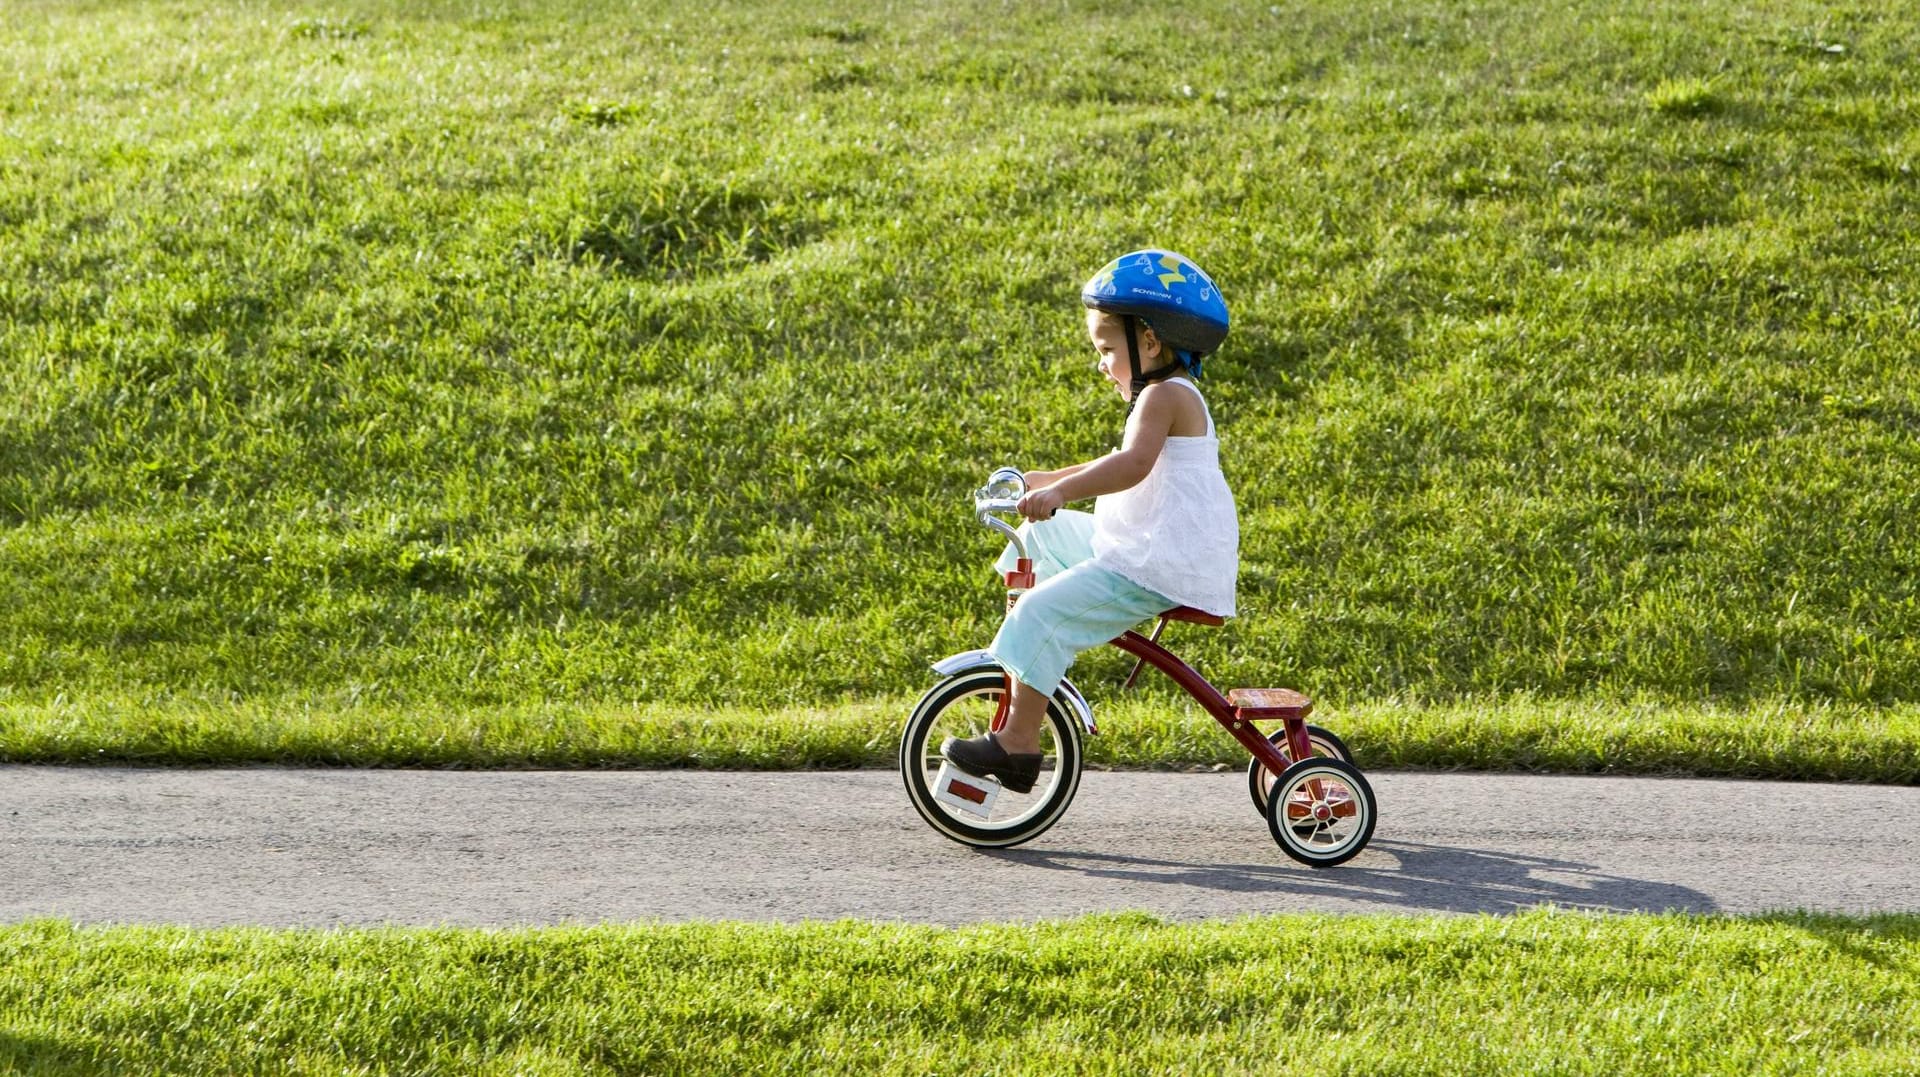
[[1041, 504]]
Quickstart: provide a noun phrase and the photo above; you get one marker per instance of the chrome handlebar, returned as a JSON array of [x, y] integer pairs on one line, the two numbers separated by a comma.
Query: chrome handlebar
[[1002, 493]]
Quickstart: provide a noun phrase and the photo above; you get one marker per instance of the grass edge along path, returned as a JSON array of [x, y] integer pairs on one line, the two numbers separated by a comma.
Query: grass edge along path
[[1547, 991], [1781, 740]]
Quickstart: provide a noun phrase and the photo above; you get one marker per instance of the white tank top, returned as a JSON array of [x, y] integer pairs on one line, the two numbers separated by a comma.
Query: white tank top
[[1175, 533]]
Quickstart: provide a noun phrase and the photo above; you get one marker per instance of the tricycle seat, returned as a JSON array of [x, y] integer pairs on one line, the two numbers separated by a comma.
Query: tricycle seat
[[1255, 704]]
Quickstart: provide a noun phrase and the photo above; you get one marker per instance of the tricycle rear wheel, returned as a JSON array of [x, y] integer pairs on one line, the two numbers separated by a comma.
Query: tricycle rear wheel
[[1321, 812], [1325, 745]]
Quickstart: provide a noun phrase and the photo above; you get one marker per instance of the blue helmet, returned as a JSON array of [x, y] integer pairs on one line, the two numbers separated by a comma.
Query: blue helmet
[[1177, 299]]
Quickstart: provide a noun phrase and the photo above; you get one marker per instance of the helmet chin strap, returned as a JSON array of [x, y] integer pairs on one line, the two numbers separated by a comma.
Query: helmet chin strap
[[1141, 381]]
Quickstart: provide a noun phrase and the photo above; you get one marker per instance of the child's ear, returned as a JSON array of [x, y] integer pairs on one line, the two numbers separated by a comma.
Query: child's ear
[[1149, 343]]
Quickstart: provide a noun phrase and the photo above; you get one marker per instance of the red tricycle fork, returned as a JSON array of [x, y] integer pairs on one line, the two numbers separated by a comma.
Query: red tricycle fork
[[1006, 704], [1018, 581]]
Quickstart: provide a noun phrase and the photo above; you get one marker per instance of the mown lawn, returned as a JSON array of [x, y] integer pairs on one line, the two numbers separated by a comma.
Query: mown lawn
[[422, 358], [1543, 992]]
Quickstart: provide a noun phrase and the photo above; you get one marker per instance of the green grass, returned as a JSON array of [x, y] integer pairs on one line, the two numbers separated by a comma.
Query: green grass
[[447, 359], [1798, 743], [1543, 992]]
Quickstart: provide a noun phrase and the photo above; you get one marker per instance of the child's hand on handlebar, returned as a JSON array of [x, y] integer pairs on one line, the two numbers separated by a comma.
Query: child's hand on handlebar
[[1041, 504]]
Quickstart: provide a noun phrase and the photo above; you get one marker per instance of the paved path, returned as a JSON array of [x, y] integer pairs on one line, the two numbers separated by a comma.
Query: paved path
[[326, 847]]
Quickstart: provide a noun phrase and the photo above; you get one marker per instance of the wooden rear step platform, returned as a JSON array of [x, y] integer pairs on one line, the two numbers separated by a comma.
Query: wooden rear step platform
[[1256, 704]]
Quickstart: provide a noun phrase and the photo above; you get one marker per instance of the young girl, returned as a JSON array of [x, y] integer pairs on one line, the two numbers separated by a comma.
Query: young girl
[[1163, 533]]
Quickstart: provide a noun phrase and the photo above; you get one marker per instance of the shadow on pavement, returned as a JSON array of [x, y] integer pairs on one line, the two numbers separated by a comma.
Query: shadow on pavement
[[1420, 877]]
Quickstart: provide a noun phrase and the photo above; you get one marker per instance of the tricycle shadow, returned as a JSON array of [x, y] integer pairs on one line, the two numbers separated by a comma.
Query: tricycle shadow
[[1432, 878]]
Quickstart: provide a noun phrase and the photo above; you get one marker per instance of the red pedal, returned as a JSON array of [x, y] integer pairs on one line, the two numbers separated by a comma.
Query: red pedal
[[958, 789]]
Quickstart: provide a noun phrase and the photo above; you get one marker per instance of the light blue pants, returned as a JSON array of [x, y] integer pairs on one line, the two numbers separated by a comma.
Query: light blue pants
[[1075, 605]]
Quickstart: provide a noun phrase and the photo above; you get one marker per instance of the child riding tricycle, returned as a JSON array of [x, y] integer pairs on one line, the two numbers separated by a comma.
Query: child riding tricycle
[[991, 755]]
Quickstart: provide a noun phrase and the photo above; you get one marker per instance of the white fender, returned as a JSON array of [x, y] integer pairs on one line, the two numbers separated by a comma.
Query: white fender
[[968, 661]]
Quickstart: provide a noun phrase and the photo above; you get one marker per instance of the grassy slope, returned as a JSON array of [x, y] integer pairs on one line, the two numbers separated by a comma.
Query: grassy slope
[[1543, 992], [426, 357]]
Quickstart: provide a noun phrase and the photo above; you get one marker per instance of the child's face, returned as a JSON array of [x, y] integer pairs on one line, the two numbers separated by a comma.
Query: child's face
[[1109, 335]]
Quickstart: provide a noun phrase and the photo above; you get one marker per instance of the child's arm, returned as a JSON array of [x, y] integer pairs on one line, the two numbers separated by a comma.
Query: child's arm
[[1036, 478], [1121, 469]]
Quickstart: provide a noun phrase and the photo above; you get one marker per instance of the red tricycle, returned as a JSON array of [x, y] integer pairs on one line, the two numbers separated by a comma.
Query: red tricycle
[[1318, 805]]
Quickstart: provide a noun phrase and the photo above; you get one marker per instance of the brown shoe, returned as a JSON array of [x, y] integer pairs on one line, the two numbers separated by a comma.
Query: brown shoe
[[983, 757]]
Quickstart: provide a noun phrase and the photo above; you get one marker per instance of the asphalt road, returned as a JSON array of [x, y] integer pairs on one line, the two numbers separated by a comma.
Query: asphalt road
[[289, 847]]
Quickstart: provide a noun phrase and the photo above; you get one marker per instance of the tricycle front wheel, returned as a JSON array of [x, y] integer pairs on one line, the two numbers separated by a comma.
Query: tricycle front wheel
[[984, 814]]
